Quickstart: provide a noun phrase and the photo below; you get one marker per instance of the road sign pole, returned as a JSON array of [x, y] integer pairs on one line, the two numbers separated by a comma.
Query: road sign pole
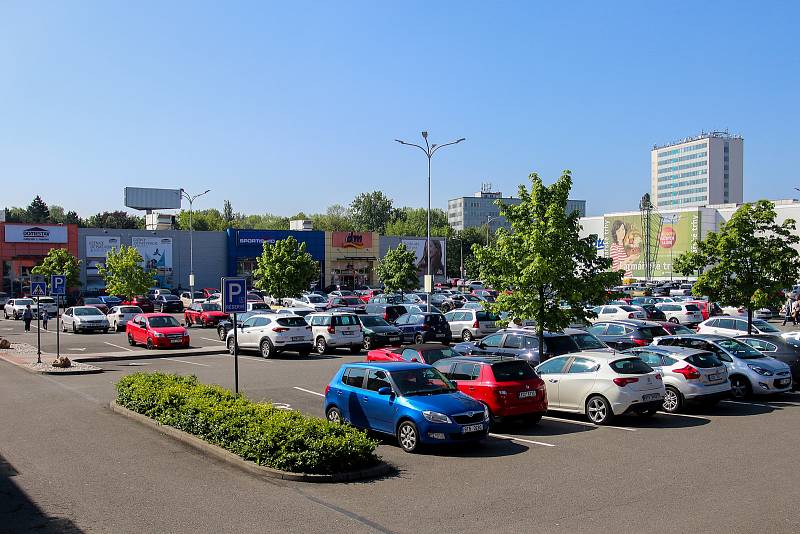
[[235, 357], [234, 301], [58, 328], [38, 332]]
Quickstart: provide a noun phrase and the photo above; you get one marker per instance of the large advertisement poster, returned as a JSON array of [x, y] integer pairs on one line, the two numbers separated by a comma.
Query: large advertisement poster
[[156, 253], [19, 233], [97, 246], [438, 260], [624, 241]]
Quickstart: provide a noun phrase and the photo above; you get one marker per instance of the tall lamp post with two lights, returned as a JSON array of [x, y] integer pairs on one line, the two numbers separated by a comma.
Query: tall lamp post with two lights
[[191, 199]]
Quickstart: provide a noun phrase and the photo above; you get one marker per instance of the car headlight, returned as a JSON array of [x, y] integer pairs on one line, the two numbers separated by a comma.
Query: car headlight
[[158, 334], [485, 413], [760, 370], [435, 417]]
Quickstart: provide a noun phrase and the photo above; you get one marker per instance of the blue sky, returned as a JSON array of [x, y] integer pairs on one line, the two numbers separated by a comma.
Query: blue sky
[[290, 106]]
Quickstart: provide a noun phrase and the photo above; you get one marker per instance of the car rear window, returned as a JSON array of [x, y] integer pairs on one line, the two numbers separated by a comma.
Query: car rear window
[[704, 360], [170, 297], [435, 319], [629, 308], [292, 321], [434, 355], [692, 307], [631, 366], [486, 316], [512, 370], [588, 341], [344, 320], [558, 345], [130, 309]]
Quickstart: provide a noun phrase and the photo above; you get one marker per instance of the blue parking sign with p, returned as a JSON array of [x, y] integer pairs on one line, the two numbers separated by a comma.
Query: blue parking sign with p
[[58, 285], [234, 295]]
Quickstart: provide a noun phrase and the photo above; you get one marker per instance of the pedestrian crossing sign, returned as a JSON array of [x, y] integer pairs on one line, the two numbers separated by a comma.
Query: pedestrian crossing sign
[[38, 289]]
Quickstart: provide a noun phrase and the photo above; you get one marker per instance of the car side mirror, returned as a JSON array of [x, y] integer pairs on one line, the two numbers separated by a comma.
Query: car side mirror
[[385, 391], [454, 382], [241, 327], [183, 324]]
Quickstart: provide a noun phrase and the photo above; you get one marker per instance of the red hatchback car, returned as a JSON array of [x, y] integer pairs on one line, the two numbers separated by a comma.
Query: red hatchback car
[[508, 386], [156, 330], [204, 314], [425, 353]]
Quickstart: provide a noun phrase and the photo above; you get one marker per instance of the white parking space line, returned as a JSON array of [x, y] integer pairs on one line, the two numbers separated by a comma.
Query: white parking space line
[[685, 415], [210, 339], [584, 423], [309, 391], [118, 346], [746, 403], [184, 361], [514, 438], [263, 360]]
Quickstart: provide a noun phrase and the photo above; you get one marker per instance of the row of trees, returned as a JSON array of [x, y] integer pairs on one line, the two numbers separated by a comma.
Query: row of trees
[[38, 212]]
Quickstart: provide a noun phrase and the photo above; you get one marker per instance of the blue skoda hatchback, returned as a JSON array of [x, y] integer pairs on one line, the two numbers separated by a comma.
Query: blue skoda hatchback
[[412, 401]]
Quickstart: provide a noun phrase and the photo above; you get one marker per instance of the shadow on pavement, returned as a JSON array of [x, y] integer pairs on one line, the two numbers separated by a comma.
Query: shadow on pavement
[[543, 428], [18, 513], [735, 409], [487, 448]]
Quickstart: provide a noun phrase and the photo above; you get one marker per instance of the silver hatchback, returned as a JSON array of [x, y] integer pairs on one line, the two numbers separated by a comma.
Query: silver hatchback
[[469, 324]]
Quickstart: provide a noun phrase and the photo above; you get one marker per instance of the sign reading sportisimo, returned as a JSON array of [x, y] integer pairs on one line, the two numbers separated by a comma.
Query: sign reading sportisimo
[[19, 233]]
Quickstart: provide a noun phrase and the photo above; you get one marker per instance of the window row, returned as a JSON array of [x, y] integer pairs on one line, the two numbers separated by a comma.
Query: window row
[[683, 158]]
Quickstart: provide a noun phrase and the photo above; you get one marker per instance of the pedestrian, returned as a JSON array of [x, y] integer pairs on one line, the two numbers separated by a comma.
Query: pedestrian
[[45, 317], [787, 312], [795, 310], [27, 317]]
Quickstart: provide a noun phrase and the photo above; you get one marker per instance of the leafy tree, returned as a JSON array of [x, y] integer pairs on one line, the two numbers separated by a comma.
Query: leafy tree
[[460, 245], [371, 212], [202, 220], [115, 219], [58, 216], [227, 213], [414, 221], [124, 274], [266, 221], [60, 261], [748, 262], [285, 269], [397, 270], [37, 211], [552, 271], [335, 219], [16, 215]]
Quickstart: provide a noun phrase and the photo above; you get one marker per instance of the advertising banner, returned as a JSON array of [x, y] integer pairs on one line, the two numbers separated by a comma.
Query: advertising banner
[[156, 253], [438, 259], [352, 240], [43, 233], [97, 246], [624, 241]]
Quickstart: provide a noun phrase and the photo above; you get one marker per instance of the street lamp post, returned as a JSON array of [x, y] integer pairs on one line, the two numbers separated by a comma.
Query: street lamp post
[[429, 151], [489, 219], [191, 199]]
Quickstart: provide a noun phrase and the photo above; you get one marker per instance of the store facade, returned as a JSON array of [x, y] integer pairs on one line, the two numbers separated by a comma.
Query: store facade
[[24, 246]]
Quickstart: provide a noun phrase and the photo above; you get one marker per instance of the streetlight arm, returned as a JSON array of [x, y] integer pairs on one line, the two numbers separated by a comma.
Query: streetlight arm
[[447, 144], [412, 144]]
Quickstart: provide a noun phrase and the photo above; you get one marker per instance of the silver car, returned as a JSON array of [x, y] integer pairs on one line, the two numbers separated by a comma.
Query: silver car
[[84, 319], [470, 324]]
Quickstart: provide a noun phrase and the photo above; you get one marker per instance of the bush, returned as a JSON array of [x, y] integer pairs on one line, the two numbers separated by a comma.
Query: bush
[[281, 439]]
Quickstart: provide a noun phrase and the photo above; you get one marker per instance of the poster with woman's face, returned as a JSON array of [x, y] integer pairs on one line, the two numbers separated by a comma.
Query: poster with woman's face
[[418, 247]]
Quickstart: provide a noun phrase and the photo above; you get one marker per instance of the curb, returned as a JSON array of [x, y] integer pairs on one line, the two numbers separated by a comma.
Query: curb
[[232, 459], [137, 355], [28, 368]]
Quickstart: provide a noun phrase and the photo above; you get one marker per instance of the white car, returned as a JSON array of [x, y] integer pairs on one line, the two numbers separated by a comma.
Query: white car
[[311, 300], [47, 304], [761, 313], [689, 375], [614, 311], [683, 290], [681, 313], [84, 319], [733, 326], [333, 330], [601, 385], [272, 334], [16, 307], [186, 298], [118, 316]]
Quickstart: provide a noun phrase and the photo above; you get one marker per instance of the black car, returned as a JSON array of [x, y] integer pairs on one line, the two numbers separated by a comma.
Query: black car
[[653, 313], [521, 343], [624, 334], [168, 303], [224, 326], [422, 327], [785, 350], [390, 312], [378, 332]]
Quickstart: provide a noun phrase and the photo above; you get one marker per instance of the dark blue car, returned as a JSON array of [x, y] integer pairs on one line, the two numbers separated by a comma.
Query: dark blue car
[[412, 401], [424, 327]]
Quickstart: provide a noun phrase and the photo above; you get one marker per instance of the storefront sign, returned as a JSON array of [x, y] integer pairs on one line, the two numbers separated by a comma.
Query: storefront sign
[[156, 253], [17, 233], [438, 260], [98, 246], [352, 240]]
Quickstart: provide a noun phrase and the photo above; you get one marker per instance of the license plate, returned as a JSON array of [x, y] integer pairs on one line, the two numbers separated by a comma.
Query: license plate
[[439, 335], [347, 333], [472, 428], [297, 338], [175, 341], [526, 394], [785, 381], [393, 339], [712, 378], [651, 396]]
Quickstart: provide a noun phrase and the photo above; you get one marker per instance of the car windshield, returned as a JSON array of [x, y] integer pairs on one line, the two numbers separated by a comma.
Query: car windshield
[[486, 316], [162, 321], [130, 309], [23, 302], [92, 301], [588, 341], [765, 326], [557, 345], [739, 349], [212, 307], [421, 381], [434, 355], [110, 300], [631, 366], [373, 320], [350, 301], [679, 329], [512, 370], [87, 311], [170, 297], [316, 299]]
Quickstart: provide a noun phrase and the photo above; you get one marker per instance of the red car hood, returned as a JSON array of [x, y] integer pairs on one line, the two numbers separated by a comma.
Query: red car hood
[[169, 330], [382, 354], [218, 314]]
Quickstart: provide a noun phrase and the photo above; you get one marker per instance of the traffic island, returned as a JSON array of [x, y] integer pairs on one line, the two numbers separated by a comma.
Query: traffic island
[[254, 437], [76, 368], [24, 355]]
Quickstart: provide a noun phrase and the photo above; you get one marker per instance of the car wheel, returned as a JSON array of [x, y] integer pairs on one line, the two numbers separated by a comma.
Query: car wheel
[[408, 436], [598, 410], [740, 387], [149, 344], [131, 342], [74, 329], [321, 346], [367, 342], [466, 336], [230, 345], [673, 320], [355, 349], [267, 349], [221, 334], [333, 415], [419, 339], [673, 400]]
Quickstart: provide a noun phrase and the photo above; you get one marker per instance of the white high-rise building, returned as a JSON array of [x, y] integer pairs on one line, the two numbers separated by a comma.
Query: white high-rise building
[[698, 171]]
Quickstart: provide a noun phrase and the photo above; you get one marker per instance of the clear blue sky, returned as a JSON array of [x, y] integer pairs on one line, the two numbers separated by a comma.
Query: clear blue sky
[[291, 106]]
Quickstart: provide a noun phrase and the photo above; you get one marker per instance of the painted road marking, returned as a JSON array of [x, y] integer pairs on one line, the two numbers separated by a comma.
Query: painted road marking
[[585, 423], [746, 403], [184, 361], [211, 339], [513, 438], [309, 391], [76, 348], [685, 415], [118, 346]]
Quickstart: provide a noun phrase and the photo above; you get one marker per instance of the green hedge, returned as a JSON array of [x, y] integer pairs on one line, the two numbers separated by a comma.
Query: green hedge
[[281, 439]]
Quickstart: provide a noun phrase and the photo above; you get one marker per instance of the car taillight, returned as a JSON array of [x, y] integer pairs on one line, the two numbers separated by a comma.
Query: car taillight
[[658, 376], [386, 317], [640, 342], [426, 327], [475, 324], [280, 329], [631, 316], [327, 389], [331, 330], [688, 372], [624, 381]]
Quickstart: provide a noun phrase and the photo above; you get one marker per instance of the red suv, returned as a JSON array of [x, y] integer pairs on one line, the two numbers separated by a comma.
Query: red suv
[[156, 330], [204, 314], [508, 386]]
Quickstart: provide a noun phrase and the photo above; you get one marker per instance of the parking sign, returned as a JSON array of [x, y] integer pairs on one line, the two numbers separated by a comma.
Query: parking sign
[[38, 289], [234, 295], [58, 285]]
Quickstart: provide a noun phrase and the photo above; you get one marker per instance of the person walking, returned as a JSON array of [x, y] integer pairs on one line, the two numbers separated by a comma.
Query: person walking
[[795, 310], [45, 317], [787, 311], [27, 317]]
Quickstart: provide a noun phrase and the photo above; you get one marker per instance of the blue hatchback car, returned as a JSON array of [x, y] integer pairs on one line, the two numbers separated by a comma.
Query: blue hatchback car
[[412, 401]]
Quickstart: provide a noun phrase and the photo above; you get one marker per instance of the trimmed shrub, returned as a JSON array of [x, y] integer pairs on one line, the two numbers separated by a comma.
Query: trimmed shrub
[[281, 439]]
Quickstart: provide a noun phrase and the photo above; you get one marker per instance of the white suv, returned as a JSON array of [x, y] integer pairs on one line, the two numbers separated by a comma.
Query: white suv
[[680, 313], [332, 330], [16, 307], [271, 334]]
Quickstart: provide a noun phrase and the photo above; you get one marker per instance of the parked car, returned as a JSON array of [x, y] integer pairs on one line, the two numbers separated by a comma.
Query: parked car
[[586, 340], [689, 375], [311, 300], [785, 350], [143, 302], [272, 334], [45, 304], [730, 326], [429, 353], [154, 292], [84, 319], [332, 330], [681, 312], [156, 330], [708, 309], [118, 316], [412, 401], [602, 385], [367, 294], [675, 328], [682, 290], [95, 303], [110, 300], [390, 312], [610, 312], [301, 310], [187, 299], [204, 314], [168, 303], [626, 334], [761, 313], [508, 387], [750, 371], [521, 343], [421, 327], [653, 313], [225, 325], [208, 291], [345, 302], [469, 324], [378, 332]]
